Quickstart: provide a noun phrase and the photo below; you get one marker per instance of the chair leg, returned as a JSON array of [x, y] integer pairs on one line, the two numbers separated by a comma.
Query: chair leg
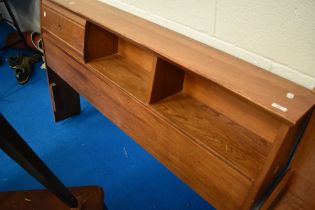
[[14, 146]]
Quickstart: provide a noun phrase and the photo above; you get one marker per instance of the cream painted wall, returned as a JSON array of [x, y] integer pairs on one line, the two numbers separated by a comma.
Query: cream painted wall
[[278, 36], [283, 31]]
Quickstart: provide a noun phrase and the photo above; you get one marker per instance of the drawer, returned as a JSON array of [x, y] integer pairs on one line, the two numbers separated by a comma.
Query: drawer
[[65, 26]]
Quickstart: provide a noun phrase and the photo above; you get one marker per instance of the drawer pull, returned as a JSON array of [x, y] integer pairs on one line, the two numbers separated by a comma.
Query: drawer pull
[[52, 87]]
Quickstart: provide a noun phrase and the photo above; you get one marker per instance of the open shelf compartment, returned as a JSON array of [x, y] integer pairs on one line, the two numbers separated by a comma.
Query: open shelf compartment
[[127, 65], [213, 117]]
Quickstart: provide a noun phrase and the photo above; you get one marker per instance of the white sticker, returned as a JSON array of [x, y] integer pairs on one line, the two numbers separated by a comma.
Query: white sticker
[[44, 13], [278, 106], [290, 95]]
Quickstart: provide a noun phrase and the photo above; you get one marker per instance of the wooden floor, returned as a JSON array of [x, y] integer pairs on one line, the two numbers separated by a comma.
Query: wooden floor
[[90, 197], [301, 191]]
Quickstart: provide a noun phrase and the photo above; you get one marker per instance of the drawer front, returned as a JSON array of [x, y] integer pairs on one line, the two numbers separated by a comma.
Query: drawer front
[[67, 49], [65, 26]]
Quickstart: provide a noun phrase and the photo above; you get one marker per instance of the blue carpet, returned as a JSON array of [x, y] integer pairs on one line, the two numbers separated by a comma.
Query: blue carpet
[[85, 150]]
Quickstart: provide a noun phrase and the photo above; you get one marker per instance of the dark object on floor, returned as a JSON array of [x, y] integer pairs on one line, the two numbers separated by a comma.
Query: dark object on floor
[[33, 41], [23, 66], [15, 147]]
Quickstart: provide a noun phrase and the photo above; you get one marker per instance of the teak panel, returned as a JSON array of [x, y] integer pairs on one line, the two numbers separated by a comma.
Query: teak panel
[[65, 101], [301, 191], [100, 43], [63, 12], [292, 201], [224, 101], [127, 75], [278, 191], [136, 54], [62, 27], [47, 36], [91, 197], [266, 171], [221, 68], [275, 161], [284, 152], [174, 149], [204, 114], [167, 80], [237, 146]]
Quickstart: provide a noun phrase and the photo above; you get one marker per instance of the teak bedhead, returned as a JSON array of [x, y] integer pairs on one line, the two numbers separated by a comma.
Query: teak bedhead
[[225, 127]]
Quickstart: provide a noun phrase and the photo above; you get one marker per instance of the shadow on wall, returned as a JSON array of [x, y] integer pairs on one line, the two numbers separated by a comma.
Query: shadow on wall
[[26, 12]]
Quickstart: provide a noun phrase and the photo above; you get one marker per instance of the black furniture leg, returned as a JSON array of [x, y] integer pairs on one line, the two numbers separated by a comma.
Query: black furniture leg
[[14, 146]]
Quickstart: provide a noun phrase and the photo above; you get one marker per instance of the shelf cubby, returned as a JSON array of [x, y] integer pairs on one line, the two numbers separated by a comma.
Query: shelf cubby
[[124, 63], [238, 146], [213, 117]]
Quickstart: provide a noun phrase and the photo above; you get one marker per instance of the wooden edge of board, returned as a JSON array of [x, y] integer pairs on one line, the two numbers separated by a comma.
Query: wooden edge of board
[[278, 191]]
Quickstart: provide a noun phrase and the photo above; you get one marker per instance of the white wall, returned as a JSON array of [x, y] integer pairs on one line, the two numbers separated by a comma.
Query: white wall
[[278, 36], [26, 12]]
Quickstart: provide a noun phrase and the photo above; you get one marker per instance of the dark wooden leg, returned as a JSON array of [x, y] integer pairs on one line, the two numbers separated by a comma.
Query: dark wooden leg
[[79, 198], [64, 99], [12, 144]]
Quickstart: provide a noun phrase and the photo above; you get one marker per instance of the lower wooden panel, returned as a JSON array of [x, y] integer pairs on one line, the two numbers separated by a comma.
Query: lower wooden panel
[[278, 191], [90, 197], [291, 201], [212, 178], [301, 191]]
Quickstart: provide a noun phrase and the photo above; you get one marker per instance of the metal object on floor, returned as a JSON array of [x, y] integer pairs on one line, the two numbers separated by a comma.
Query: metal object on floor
[[14, 146]]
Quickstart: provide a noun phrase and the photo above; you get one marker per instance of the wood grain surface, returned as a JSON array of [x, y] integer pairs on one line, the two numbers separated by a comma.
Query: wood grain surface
[[99, 43], [194, 164], [231, 105], [224, 126], [301, 191], [223, 69], [167, 80], [241, 148], [64, 99], [127, 75], [91, 197], [70, 31]]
